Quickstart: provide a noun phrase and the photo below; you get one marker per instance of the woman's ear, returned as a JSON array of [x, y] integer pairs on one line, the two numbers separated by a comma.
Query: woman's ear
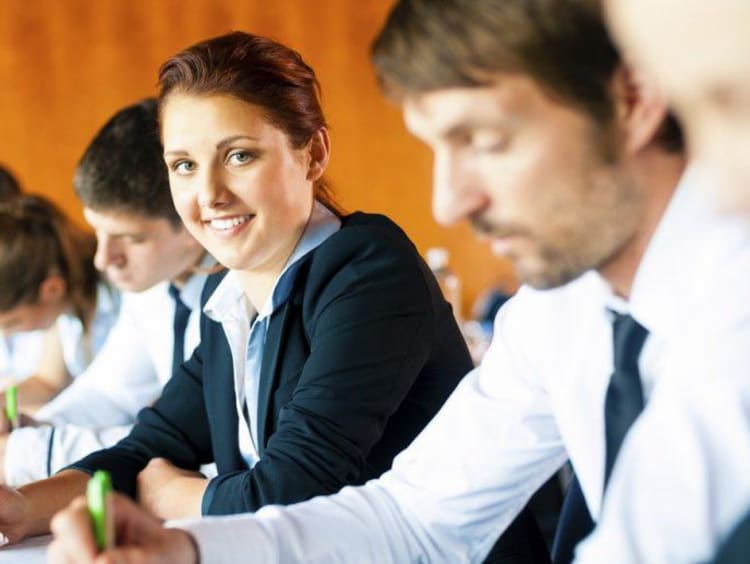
[[319, 148], [52, 290], [640, 108]]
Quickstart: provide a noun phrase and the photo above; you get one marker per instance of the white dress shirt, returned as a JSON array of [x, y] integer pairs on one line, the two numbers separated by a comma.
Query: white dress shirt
[[682, 480], [19, 355], [100, 406], [246, 329], [537, 399], [20, 352], [79, 350]]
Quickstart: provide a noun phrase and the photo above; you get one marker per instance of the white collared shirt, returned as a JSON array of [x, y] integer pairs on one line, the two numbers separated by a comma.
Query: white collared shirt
[[100, 406], [19, 354], [79, 350], [538, 398], [246, 329]]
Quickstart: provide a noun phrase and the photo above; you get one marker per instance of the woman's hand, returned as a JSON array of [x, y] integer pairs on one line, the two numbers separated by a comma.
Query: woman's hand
[[170, 492], [139, 537]]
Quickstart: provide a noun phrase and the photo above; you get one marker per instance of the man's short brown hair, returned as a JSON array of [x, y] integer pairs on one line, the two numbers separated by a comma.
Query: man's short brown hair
[[563, 45]]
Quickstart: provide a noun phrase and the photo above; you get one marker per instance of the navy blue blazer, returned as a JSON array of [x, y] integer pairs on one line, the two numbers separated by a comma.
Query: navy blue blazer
[[357, 361]]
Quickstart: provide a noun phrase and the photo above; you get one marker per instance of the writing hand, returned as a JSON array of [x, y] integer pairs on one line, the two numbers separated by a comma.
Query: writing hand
[[139, 537]]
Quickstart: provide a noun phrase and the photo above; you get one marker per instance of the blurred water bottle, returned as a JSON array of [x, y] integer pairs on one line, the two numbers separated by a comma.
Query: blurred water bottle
[[437, 260]]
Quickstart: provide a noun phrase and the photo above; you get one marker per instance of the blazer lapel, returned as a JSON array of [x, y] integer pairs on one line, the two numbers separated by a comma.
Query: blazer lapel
[[268, 372]]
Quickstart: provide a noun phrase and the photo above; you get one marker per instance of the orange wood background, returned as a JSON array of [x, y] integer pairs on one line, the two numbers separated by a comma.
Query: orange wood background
[[67, 65]]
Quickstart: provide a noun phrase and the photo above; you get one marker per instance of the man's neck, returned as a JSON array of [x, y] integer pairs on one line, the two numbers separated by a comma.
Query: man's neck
[[181, 279], [657, 174]]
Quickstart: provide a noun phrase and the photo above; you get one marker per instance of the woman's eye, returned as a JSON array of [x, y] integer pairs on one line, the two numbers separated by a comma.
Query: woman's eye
[[240, 157], [183, 167]]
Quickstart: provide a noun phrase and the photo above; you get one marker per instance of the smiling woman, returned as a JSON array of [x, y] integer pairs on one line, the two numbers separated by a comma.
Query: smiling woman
[[238, 185], [326, 346]]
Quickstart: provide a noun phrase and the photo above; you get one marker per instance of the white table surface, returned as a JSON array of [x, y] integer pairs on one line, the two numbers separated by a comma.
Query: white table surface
[[29, 551]]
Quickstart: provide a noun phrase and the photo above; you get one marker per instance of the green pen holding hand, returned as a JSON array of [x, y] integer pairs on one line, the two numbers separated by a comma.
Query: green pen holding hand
[[97, 492]]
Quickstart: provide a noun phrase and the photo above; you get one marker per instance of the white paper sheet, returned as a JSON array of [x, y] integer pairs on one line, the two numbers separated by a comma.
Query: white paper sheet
[[29, 551]]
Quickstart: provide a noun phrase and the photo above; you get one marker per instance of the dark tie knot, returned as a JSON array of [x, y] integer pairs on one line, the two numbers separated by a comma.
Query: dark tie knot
[[628, 337], [174, 292], [181, 316]]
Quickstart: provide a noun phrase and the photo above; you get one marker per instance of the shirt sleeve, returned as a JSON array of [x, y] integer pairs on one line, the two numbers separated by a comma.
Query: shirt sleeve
[[447, 498], [26, 455], [35, 453]]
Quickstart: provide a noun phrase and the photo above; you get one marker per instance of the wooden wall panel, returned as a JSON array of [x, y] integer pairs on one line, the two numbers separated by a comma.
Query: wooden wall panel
[[67, 65]]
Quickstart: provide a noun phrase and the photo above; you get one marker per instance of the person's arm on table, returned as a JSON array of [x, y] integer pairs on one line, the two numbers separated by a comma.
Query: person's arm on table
[[27, 511], [35, 453], [449, 495], [429, 508], [164, 489], [433, 506]]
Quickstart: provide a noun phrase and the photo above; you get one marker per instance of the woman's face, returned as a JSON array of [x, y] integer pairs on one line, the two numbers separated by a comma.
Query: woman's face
[[240, 188]]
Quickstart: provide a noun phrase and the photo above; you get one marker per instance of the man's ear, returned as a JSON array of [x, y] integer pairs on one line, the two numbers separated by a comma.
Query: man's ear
[[52, 290], [319, 148], [640, 108]]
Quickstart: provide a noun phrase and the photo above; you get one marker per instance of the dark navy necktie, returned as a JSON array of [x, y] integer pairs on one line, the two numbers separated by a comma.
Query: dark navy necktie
[[181, 315], [624, 400], [622, 405]]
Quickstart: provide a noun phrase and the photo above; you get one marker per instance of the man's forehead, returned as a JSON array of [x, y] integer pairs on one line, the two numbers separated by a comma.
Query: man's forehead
[[118, 221], [439, 112]]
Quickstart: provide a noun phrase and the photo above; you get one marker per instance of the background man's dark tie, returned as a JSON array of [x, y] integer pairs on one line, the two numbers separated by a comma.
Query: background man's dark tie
[[622, 405], [181, 315]]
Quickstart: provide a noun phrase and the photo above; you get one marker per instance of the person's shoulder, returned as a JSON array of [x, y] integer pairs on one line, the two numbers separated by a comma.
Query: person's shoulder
[[363, 223], [368, 249], [367, 234]]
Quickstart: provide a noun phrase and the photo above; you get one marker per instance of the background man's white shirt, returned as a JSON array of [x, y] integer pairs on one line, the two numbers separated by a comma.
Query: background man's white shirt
[[539, 397]]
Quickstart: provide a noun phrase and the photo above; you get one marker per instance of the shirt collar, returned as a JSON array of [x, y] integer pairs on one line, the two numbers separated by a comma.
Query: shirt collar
[[228, 302], [190, 293], [107, 299], [674, 263]]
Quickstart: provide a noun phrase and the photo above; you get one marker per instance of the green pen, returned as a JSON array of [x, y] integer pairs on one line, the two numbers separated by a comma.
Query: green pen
[[11, 405], [97, 490]]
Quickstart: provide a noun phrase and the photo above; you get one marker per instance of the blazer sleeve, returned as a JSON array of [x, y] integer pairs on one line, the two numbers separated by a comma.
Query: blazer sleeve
[[370, 317], [175, 427]]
